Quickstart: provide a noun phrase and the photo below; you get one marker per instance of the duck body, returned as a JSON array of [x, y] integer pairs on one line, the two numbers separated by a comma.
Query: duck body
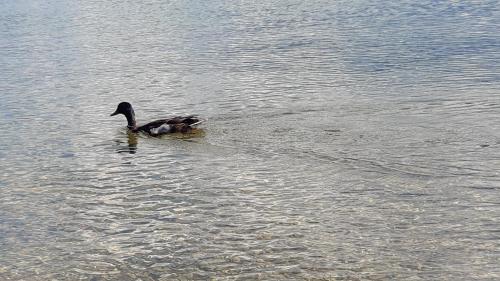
[[178, 124]]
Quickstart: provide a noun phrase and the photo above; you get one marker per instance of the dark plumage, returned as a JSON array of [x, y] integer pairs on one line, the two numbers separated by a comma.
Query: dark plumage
[[178, 124]]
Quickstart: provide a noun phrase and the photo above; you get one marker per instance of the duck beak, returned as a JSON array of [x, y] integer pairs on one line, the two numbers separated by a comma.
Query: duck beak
[[114, 113]]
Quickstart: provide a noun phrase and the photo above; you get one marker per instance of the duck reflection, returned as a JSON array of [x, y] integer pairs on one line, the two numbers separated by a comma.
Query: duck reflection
[[131, 147], [133, 139], [132, 142]]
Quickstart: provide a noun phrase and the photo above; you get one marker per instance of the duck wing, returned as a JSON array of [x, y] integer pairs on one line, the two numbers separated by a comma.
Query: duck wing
[[188, 120], [151, 125], [171, 125]]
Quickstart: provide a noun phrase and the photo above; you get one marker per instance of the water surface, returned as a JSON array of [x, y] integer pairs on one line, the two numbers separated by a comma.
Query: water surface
[[346, 140]]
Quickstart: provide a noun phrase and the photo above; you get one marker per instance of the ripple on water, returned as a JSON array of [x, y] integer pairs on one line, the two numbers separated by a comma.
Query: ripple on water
[[344, 141]]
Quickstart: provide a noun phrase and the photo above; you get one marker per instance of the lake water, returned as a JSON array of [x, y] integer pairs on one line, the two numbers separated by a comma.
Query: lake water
[[346, 140]]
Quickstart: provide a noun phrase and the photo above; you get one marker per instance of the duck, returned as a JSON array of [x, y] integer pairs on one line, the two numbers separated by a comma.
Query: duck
[[178, 124]]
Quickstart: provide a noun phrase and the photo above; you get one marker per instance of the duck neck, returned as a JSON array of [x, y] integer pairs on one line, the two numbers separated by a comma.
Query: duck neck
[[131, 120]]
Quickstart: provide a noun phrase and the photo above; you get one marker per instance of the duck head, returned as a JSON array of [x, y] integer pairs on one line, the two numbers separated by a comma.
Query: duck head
[[123, 108], [126, 109]]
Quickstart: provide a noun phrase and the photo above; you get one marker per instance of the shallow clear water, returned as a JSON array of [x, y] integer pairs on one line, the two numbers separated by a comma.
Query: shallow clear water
[[346, 140]]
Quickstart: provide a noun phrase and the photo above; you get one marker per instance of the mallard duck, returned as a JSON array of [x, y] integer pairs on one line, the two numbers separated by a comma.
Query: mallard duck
[[178, 124]]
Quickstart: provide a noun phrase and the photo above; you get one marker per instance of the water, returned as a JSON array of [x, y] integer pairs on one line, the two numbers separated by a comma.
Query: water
[[346, 140]]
